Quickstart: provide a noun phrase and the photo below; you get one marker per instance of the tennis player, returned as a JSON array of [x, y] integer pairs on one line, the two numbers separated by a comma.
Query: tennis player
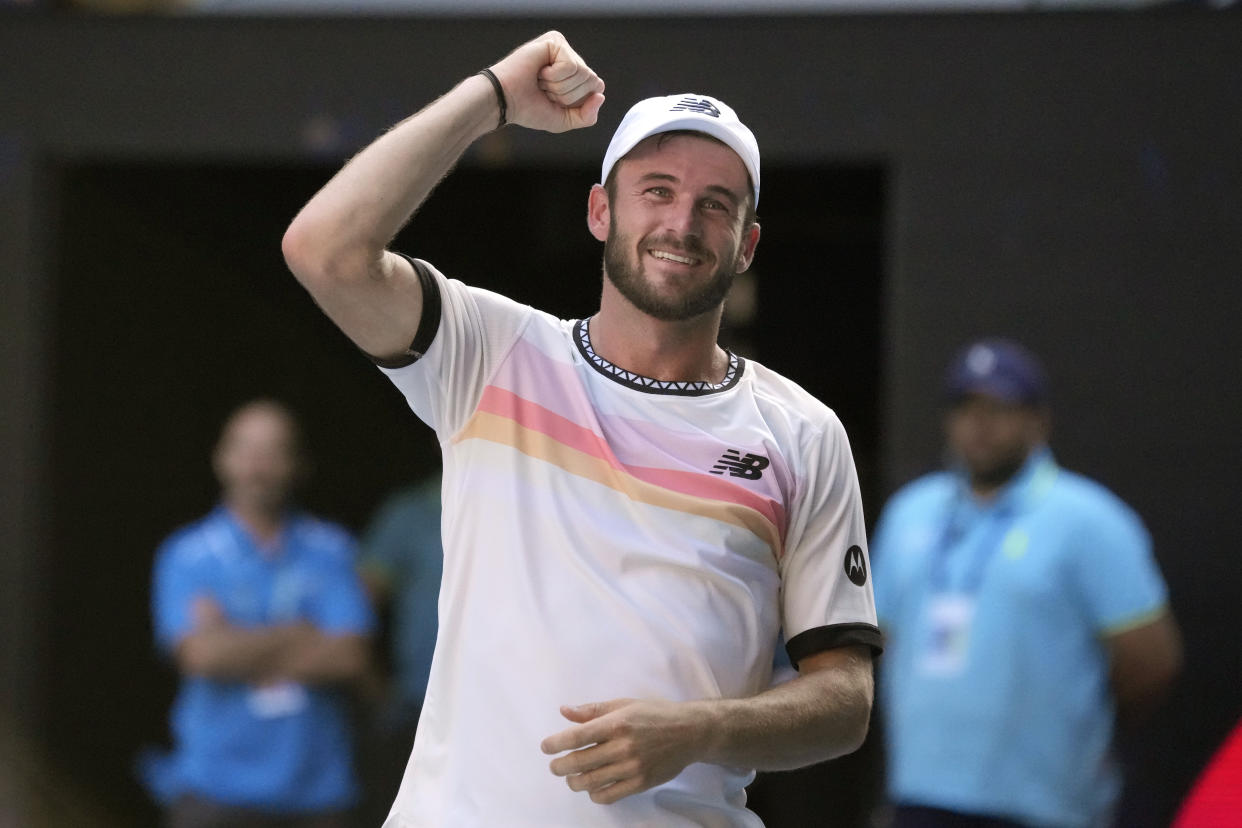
[[633, 515]]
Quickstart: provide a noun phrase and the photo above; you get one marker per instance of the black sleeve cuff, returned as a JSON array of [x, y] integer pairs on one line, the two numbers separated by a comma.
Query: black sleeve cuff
[[818, 639], [428, 321]]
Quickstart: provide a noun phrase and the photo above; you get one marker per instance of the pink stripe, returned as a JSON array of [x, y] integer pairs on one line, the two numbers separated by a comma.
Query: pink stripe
[[531, 415], [559, 390]]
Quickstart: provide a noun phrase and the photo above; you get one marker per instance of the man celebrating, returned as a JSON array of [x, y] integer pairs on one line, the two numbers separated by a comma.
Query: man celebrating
[[1023, 607], [632, 514]]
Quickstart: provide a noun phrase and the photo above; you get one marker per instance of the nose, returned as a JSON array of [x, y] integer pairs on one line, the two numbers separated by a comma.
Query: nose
[[682, 219]]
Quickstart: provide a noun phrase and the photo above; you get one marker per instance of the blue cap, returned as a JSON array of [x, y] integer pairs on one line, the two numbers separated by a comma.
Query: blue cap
[[997, 368]]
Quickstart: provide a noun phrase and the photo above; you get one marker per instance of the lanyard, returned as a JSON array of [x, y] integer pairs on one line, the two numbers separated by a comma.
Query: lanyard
[[999, 522]]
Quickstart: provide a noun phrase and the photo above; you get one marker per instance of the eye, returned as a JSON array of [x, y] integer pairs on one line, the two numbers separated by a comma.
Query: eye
[[716, 206], [658, 192]]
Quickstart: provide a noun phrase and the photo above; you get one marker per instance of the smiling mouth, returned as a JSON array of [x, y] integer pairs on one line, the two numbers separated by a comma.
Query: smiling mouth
[[664, 255]]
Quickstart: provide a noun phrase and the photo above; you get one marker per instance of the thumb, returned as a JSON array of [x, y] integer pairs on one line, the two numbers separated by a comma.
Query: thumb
[[586, 712], [585, 114]]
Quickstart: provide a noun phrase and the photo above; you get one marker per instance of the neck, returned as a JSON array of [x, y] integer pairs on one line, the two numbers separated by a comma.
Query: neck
[[260, 520], [986, 485], [677, 351], [985, 491]]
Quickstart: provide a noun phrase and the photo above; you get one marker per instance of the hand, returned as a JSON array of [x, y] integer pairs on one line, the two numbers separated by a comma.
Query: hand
[[206, 613], [548, 86], [625, 746]]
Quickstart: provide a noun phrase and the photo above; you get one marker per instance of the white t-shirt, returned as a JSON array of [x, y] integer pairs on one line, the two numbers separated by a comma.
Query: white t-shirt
[[610, 536]]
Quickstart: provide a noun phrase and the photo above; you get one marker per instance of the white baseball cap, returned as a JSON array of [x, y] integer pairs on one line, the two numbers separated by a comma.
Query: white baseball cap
[[690, 111]]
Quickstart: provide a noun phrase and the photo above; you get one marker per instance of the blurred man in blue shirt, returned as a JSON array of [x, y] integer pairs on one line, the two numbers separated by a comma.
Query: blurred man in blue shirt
[[1023, 610], [260, 607]]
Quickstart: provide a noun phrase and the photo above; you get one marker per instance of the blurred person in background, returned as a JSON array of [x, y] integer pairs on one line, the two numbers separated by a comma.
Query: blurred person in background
[[401, 565], [1023, 612], [261, 609]]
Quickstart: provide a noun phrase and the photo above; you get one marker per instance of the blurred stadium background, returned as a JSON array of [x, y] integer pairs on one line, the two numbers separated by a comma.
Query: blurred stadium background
[[1064, 172]]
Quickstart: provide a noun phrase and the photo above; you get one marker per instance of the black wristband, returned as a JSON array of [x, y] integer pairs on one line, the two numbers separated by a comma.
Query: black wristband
[[500, 94]]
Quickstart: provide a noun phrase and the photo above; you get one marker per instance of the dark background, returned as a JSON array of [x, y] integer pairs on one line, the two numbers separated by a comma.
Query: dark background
[[1069, 179]]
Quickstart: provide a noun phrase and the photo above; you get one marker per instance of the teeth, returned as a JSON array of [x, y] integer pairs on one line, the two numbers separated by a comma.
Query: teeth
[[660, 254]]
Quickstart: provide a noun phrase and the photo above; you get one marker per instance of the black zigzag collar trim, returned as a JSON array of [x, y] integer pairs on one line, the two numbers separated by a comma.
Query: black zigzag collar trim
[[654, 386]]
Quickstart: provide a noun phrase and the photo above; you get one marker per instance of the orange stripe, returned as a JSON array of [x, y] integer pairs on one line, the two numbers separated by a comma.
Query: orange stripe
[[502, 430]]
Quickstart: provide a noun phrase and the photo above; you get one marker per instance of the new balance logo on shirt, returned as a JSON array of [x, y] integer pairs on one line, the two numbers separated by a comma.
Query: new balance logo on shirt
[[701, 106], [749, 466]]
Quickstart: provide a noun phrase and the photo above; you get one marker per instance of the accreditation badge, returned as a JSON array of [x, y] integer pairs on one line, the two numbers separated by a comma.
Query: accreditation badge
[[946, 641], [274, 701]]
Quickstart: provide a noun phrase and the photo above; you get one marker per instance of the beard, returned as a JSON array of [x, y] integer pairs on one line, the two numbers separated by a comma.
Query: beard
[[631, 282], [997, 471]]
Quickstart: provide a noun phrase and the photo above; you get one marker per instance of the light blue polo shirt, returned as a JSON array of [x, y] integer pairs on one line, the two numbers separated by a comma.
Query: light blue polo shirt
[[996, 678], [282, 748]]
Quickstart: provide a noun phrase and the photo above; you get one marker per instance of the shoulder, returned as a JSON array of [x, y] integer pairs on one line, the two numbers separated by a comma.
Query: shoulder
[[1091, 504], [780, 398], [457, 292], [194, 543]]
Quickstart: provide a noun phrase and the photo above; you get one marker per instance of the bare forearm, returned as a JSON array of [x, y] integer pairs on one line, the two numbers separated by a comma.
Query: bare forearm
[[351, 220], [622, 746], [322, 658], [817, 716], [234, 653], [297, 652]]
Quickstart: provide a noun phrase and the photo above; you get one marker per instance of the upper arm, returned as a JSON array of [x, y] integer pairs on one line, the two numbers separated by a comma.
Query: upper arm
[[1143, 661], [342, 606], [1114, 569], [175, 584], [826, 593], [376, 302], [1127, 602]]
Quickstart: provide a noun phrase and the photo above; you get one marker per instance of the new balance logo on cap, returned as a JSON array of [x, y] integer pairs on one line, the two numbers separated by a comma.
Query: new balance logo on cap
[[701, 105], [749, 466]]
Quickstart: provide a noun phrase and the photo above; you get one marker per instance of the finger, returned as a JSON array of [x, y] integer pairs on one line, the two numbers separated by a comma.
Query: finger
[[592, 710], [597, 780], [587, 112], [566, 75], [584, 760], [571, 738], [617, 791], [562, 59], [572, 90]]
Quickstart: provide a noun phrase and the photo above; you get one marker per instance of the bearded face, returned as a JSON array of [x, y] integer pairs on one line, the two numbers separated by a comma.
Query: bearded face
[[624, 266], [677, 222]]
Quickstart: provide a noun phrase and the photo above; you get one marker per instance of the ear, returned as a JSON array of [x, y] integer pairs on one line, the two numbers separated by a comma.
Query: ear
[[598, 212], [749, 243]]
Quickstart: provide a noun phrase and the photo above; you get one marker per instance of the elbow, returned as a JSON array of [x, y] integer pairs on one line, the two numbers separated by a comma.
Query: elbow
[[304, 252], [319, 259], [855, 728]]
